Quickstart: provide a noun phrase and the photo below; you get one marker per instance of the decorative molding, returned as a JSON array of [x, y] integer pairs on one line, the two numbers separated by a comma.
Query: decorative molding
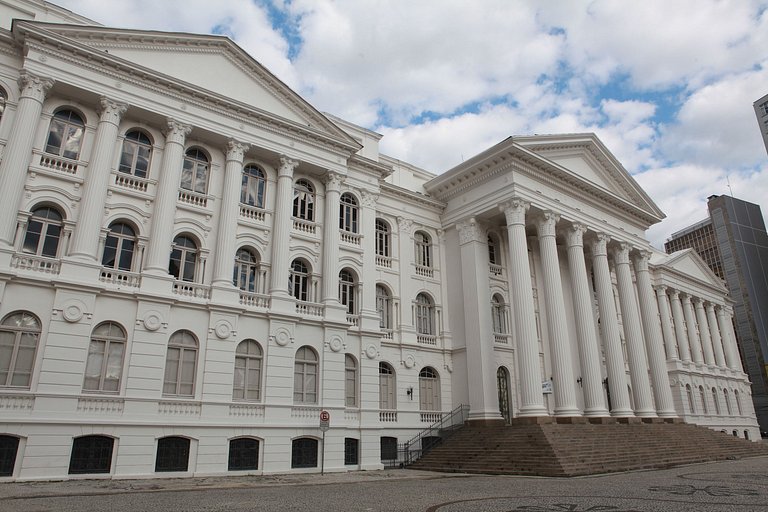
[[282, 337], [574, 235], [600, 244], [333, 181], [235, 150], [153, 320], [371, 351], [287, 165], [621, 254], [514, 211], [335, 343], [404, 225], [111, 111], [471, 231], [222, 329], [546, 223], [176, 131], [33, 86], [641, 259], [368, 199]]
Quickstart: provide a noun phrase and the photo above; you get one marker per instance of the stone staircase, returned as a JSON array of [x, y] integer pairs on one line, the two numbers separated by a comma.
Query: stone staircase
[[582, 448]]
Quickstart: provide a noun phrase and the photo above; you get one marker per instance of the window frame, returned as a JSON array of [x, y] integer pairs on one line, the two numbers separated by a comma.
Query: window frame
[[304, 452], [424, 313], [93, 459], [247, 271], [45, 238], [351, 451], [108, 341], [499, 314], [117, 241], [165, 445], [251, 362], [136, 142], [349, 213], [254, 179], [350, 381], [306, 376], [387, 387], [429, 389], [176, 342], [348, 291], [19, 333], [384, 307], [187, 255], [196, 167], [423, 247], [243, 458], [383, 238], [299, 280], [72, 127], [304, 200]]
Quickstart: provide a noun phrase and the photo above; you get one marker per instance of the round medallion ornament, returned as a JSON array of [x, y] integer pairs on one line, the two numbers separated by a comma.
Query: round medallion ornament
[[335, 344], [73, 311], [409, 362], [152, 320], [371, 352], [222, 329], [282, 337]]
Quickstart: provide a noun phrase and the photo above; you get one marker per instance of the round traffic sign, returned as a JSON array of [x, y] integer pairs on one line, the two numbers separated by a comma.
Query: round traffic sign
[[325, 416]]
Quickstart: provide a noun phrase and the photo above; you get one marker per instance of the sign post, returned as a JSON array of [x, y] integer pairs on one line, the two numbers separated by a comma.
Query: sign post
[[325, 424]]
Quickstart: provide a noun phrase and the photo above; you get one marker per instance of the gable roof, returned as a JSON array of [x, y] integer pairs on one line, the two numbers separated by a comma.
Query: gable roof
[[690, 264], [204, 63]]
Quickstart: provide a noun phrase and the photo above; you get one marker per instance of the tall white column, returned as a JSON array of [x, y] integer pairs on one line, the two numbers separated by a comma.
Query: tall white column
[[161, 240], [481, 365], [706, 339], [630, 315], [281, 234], [333, 182], [370, 317], [729, 339], [531, 397], [229, 211], [680, 331], [717, 341], [18, 150], [609, 322], [589, 349], [562, 369], [690, 325], [85, 239], [666, 323], [654, 343]]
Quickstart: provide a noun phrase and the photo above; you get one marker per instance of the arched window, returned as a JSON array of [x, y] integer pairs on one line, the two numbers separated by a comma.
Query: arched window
[[425, 315], [304, 453], [348, 213], [494, 257], [423, 249], [716, 401], [350, 381], [172, 454], [43, 232], [347, 286], [703, 400], [119, 247], [247, 270], [9, 448], [298, 281], [194, 174], [387, 396], [383, 246], [429, 390], [498, 314], [688, 392], [136, 155], [304, 200], [247, 385], [305, 376], [384, 307], [727, 402], [183, 264], [252, 189], [243, 454], [19, 334], [65, 134], [91, 455], [105, 358], [738, 401], [180, 364]]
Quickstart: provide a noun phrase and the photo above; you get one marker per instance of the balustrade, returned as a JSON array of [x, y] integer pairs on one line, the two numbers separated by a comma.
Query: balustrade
[[387, 416], [199, 291], [350, 238], [426, 339], [36, 263], [309, 308], [383, 261], [131, 182], [304, 226], [58, 163], [252, 213], [424, 271], [254, 300], [120, 277], [193, 198]]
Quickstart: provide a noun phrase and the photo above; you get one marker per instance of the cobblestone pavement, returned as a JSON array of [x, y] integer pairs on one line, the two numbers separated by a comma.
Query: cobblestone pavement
[[732, 486]]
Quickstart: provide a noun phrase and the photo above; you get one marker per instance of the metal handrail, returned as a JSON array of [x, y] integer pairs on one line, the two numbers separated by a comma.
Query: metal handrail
[[431, 437]]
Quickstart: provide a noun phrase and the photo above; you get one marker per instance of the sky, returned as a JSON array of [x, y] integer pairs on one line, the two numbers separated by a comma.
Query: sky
[[667, 86]]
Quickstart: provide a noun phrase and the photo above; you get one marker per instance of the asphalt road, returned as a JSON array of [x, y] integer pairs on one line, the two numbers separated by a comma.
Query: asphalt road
[[732, 486]]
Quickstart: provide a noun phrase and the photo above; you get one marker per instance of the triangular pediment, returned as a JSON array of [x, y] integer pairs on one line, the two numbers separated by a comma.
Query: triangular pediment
[[689, 263], [204, 62]]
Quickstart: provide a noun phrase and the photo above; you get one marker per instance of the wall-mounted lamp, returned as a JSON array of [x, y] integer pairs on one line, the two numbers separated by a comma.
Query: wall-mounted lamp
[[409, 392], [579, 381]]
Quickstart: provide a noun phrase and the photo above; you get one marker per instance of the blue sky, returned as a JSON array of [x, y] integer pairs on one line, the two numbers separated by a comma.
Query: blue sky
[[668, 86]]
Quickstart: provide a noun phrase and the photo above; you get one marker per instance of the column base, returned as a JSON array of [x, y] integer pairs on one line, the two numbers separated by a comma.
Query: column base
[[533, 411], [567, 413], [485, 418], [626, 413], [596, 413]]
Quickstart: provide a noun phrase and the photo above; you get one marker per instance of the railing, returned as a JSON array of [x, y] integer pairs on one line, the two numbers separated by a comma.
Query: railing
[[131, 182], [17, 402], [36, 263], [387, 416], [304, 226], [424, 271], [430, 437], [120, 277], [426, 339], [254, 300], [387, 334], [252, 212], [354, 320], [350, 238], [193, 198], [309, 308], [199, 291], [383, 261], [430, 417], [494, 269], [58, 163], [502, 339], [101, 405], [179, 408]]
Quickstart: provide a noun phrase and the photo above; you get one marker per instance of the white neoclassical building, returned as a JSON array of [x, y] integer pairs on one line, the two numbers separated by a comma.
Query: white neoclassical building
[[194, 262]]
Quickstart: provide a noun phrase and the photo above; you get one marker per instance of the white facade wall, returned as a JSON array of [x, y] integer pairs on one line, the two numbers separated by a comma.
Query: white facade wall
[[573, 179]]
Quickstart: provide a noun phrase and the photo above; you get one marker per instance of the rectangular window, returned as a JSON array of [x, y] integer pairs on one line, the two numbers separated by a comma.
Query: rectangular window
[[351, 455]]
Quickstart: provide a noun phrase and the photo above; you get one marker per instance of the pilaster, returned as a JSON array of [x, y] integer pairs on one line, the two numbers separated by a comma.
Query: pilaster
[[717, 341], [680, 330], [706, 338], [690, 325]]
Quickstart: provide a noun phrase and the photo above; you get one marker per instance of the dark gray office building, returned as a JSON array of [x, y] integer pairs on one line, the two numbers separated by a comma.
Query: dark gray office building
[[734, 243]]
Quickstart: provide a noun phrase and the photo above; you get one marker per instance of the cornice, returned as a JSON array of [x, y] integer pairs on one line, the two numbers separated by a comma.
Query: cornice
[[364, 164], [412, 197], [122, 70]]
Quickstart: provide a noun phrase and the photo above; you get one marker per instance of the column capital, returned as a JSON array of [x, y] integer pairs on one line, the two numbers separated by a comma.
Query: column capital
[[176, 131], [640, 259], [546, 223], [287, 165], [470, 231], [574, 235], [404, 225], [34, 86], [686, 298], [111, 111], [236, 150], [674, 293], [600, 244], [660, 288], [621, 253], [698, 302], [515, 210], [333, 181], [368, 199]]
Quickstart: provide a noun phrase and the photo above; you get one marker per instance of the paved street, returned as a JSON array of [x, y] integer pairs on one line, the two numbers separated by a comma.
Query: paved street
[[732, 486]]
